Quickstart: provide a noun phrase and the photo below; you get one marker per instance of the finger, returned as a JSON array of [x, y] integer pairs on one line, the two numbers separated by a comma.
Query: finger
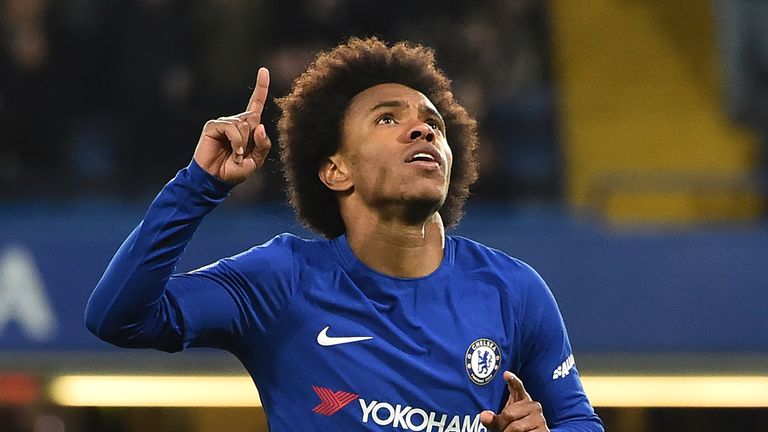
[[530, 419], [246, 132], [490, 420], [251, 118], [516, 389], [521, 410], [259, 95], [242, 126], [262, 145], [222, 130]]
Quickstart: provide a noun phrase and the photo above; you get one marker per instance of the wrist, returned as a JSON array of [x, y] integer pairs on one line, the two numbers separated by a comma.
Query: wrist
[[209, 182]]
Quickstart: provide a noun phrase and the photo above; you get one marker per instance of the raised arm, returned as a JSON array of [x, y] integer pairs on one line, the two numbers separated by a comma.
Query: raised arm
[[130, 305]]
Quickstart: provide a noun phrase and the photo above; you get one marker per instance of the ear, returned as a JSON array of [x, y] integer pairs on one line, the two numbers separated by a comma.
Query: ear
[[335, 175]]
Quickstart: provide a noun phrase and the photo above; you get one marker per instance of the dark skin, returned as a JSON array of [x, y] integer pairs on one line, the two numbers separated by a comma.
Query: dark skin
[[520, 414], [232, 148], [391, 175]]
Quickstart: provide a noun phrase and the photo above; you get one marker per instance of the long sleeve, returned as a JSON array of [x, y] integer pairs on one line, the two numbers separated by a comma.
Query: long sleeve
[[548, 368], [130, 306]]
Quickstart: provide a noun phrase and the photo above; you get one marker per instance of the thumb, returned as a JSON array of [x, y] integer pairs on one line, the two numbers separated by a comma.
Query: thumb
[[489, 420]]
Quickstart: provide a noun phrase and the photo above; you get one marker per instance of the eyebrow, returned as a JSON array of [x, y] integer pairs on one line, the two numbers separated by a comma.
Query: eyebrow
[[389, 104], [400, 104]]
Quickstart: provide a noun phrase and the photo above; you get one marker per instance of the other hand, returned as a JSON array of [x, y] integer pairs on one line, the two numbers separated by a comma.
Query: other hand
[[520, 414]]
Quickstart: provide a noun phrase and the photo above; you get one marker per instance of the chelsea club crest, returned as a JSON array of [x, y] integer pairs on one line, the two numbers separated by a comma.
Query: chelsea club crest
[[483, 360]]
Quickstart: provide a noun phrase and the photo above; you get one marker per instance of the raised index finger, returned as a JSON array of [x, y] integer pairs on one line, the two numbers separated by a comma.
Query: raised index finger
[[516, 389], [259, 96]]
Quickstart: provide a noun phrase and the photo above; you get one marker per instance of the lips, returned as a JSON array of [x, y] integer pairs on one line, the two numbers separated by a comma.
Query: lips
[[425, 153]]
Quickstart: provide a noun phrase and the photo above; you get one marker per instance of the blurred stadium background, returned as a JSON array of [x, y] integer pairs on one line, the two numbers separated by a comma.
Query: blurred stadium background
[[624, 156]]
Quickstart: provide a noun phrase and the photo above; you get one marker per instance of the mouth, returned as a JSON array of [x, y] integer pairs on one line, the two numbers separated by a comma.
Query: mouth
[[426, 156]]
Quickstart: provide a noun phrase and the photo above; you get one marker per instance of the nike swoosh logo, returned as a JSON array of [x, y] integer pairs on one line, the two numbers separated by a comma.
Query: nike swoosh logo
[[324, 340]]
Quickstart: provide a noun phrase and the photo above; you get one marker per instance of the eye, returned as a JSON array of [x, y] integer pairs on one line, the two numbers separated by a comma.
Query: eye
[[434, 124], [386, 119]]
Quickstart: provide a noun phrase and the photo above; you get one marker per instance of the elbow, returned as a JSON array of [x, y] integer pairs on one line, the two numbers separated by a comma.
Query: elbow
[[155, 326], [95, 323]]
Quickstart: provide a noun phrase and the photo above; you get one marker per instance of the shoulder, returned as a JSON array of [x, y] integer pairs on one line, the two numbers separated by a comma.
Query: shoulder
[[477, 258], [282, 252], [517, 281], [287, 243]]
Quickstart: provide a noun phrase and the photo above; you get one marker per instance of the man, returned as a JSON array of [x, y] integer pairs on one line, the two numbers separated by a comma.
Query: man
[[387, 325]]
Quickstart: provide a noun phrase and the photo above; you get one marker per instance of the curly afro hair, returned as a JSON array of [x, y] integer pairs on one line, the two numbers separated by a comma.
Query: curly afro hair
[[309, 130]]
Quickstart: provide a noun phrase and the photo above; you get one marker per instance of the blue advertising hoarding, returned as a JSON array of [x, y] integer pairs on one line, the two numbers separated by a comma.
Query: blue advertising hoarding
[[692, 290]]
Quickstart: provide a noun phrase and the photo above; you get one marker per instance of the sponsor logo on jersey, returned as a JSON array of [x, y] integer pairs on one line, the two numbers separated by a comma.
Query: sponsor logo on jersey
[[482, 361], [418, 419], [397, 416], [324, 340], [564, 369], [332, 401]]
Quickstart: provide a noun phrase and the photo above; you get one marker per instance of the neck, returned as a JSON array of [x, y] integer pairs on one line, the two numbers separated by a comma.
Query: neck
[[397, 249]]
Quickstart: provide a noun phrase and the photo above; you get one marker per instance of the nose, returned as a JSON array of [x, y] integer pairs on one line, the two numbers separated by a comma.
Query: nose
[[421, 131]]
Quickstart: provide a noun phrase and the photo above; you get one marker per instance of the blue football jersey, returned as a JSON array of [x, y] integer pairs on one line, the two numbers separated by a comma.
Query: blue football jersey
[[334, 345]]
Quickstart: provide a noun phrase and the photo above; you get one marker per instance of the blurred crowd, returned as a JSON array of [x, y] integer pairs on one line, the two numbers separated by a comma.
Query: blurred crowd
[[743, 37], [102, 99]]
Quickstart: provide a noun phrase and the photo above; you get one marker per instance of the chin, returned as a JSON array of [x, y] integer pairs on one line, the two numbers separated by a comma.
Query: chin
[[422, 207]]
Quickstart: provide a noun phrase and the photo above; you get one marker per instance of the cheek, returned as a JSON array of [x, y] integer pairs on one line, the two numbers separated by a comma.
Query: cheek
[[366, 160], [373, 168], [449, 159]]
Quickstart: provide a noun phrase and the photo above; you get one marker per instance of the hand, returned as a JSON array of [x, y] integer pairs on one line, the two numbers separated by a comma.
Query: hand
[[521, 414], [232, 148]]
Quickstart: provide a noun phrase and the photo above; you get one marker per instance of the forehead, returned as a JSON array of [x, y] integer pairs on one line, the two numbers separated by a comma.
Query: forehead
[[389, 92]]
